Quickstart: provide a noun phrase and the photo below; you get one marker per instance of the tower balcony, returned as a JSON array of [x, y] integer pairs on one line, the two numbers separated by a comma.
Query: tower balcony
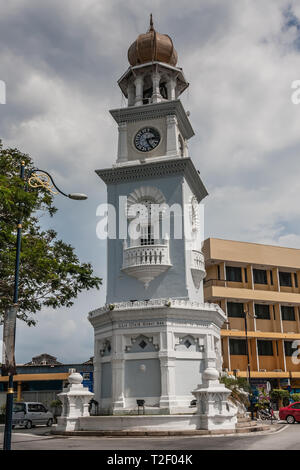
[[146, 262], [197, 267]]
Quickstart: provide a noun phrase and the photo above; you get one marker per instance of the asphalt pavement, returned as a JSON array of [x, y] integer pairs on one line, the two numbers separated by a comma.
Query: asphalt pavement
[[39, 438]]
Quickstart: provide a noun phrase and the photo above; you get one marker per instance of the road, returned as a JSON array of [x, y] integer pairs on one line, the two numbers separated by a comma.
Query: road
[[39, 438]]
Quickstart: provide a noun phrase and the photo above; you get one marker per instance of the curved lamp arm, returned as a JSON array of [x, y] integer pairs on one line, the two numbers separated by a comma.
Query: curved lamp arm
[[41, 178]]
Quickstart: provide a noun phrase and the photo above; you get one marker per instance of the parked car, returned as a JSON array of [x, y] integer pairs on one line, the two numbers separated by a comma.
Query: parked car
[[29, 414], [290, 413]]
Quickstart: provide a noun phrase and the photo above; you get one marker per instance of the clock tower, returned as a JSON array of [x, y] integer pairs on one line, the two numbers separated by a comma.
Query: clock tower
[[155, 336]]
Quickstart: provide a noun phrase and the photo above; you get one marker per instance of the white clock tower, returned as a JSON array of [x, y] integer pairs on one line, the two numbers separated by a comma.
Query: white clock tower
[[154, 337]]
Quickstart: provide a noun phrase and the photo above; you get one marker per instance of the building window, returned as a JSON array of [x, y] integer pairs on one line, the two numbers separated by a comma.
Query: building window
[[237, 347], [260, 276], [271, 277], [285, 279], [235, 310], [262, 311], [146, 227], [233, 274], [146, 235], [288, 348], [246, 275], [265, 348], [287, 313]]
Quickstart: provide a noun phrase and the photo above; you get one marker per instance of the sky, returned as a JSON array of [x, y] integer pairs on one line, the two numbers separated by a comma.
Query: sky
[[61, 61]]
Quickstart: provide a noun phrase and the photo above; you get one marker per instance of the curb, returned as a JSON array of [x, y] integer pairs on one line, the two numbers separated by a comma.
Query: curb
[[262, 428]]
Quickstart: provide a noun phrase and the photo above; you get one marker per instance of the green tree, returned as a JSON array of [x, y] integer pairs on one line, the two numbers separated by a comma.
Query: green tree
[[280, 396], [239, 389], [50, 272]]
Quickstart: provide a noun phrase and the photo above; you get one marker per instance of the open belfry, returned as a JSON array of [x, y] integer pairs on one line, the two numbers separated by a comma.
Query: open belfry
[[155, 338]]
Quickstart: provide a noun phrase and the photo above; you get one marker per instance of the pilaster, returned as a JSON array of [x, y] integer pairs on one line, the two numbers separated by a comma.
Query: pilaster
[[117, 367], [122, 143], [167, 368], [117, 370], [172, 136]]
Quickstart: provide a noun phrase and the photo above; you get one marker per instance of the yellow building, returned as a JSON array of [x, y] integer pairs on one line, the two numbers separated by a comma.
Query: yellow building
[[264, 282]]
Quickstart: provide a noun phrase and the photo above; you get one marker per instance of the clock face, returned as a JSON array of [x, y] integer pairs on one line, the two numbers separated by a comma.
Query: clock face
[[146, 139]]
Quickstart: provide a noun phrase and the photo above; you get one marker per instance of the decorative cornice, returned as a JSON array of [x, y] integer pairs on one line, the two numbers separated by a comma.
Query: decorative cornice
[[158, 169], [154, 111], [157, 304]]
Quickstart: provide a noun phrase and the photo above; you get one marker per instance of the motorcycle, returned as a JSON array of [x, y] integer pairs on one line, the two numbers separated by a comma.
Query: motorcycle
[[266, 413]]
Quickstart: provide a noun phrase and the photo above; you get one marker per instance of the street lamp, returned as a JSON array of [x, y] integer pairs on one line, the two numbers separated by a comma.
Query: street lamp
[[35, 178], [246, 312]]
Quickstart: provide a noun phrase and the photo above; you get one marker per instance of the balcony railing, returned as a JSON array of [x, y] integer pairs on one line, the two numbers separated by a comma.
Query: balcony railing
[[146, 262], [198, 260], [145, 255], [218, 282]]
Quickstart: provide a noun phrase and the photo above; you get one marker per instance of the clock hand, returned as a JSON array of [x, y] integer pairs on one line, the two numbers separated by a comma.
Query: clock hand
[[150, 138]]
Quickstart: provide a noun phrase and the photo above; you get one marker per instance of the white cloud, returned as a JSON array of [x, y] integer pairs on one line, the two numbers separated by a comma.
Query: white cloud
[[61, 62]]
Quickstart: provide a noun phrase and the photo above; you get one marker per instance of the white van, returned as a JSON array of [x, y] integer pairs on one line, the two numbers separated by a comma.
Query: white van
[[29, 414]]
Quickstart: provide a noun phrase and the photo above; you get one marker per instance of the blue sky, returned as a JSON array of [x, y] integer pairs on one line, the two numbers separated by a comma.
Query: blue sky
[[61, 62]]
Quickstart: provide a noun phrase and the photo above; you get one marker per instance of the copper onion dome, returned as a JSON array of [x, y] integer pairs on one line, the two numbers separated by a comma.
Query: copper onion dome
[[152, 46]]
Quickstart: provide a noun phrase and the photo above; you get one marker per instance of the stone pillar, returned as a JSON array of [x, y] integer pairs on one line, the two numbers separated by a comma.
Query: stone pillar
[[139, 82], [167, 370], [122, 143], [171, 86], [172, 137], [130, 94], [156, 96]]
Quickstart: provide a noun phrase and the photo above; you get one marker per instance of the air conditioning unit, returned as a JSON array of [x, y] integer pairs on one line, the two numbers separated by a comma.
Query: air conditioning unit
[[262, 370], [277, 370]]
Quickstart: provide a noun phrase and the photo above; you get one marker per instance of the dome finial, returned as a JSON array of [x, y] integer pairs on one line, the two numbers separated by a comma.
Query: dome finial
[[151, 47], [151, 23]]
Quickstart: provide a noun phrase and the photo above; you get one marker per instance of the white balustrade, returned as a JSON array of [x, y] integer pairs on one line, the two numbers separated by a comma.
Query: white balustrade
[[146, 262], [144, 255]]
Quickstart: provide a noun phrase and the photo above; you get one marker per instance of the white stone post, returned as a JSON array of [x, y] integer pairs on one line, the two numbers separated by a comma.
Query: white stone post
[[122, 143], [75, 403], [172, 137], [139, 82], [213, 408], [156, 96]]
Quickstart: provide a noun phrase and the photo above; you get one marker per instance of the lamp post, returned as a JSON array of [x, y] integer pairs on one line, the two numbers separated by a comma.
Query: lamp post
[[35, 178], [248, 360]]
